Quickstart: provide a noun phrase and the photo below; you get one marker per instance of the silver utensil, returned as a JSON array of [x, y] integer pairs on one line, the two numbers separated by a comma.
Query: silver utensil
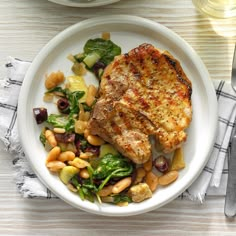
[[233, 79], [230, 198]]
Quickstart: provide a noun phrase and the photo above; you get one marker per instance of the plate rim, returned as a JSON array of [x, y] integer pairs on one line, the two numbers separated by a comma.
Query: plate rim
[[119, 18], [88, 4]]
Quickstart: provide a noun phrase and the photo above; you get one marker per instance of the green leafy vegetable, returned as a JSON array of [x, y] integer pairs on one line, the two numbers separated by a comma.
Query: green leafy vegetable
[[73, 98], [91, 59], [61, 121], [121, 198], [111, 166], [86, 188], [58, 89], [116, 165], [106, 49], [70, 125], [86, 107], [66, 121], [57, 120], [42, 137]]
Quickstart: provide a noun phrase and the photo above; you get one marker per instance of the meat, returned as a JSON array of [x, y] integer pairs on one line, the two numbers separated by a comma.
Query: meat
[[143, 93]]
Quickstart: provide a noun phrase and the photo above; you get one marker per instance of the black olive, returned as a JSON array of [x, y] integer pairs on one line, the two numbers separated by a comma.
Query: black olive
[[63, 105], [93, 149], [98, 68], [40, 114], [65, 138], [161, 163]]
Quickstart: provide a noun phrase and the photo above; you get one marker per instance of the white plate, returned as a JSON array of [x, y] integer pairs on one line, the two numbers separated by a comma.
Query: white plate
[[84, 3], [128, 32]]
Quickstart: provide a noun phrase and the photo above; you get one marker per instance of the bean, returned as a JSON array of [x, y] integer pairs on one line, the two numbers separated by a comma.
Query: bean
[[55, 166], [122, 185], [66, 156], [168, 178], [49, 135], [79, 163], [84, 174], [148, 165], [59, 130], [95, 140], [85, 155], [72, 188], [86, 133], [152, 181], [53, 154], [106, 191]]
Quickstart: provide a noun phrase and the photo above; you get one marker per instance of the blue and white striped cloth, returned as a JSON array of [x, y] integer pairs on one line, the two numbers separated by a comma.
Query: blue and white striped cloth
[[212, 180]]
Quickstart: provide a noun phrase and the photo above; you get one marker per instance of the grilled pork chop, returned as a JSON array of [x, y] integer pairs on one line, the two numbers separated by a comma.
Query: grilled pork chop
[[143, 93]]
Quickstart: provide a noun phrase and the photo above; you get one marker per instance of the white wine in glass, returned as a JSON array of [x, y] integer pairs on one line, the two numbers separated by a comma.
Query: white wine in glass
[[216, 8]]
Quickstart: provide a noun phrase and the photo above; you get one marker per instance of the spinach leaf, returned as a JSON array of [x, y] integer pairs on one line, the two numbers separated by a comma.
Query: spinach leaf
[[42, 137], [61, 121], [121, 198], [57, 120], [58, 89], [73, 98], [111, 166], [86, 107], [66, 121], [106, 49], [116, 165], [86, 188], [70, 125]]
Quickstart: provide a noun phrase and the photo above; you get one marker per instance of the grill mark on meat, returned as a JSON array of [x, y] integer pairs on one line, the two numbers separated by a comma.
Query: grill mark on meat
[[143, 93], [173, 63]]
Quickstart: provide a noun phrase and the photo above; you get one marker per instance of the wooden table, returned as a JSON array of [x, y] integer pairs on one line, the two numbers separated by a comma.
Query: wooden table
[[25, 27]]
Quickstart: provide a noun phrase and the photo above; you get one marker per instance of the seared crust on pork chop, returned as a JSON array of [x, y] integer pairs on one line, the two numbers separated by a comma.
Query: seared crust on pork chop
[[142, 93]]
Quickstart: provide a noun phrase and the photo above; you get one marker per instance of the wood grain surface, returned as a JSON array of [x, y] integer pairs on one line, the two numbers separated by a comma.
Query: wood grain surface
[[25, 27]]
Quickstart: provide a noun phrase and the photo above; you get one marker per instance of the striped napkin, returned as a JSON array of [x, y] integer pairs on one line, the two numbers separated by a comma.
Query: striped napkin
[[212, 180]]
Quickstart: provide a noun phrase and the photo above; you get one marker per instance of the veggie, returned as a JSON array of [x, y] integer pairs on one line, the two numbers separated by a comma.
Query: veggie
[[106, 49], [98, 53], [67, 173], [66, 121], [107, 148], [178, 160], [77, 83], [111, 166], [58, 120], [161, 164], [73, 100], [84, 162], [40, 114], [91, 59], [63, 105]]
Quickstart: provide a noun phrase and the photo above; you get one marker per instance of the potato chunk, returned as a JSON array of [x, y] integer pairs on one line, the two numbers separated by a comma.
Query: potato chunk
[[140, 192], [178, 160]]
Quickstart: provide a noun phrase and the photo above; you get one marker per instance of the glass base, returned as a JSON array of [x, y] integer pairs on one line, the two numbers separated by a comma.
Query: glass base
[[216, 8]]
